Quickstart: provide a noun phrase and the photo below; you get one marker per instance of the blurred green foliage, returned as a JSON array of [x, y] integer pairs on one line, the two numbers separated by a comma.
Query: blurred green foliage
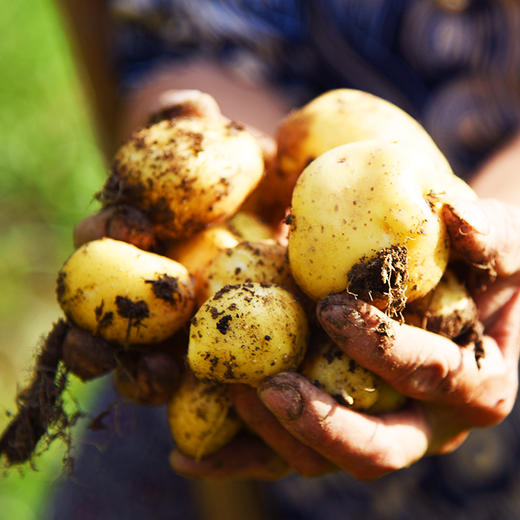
[[49, 165], [50, 168]]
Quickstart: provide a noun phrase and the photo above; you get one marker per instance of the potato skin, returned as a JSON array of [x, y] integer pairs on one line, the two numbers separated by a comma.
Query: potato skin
[[339, 117], [349, 383], [196, 252], [359, 199], [201, 417], [260, 261], [448, 309], [185, 173], [123, 294], [247, 332], [247, 226]]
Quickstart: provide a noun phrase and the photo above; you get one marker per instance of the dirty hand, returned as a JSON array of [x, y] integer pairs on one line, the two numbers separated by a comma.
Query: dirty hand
[[450, 391]]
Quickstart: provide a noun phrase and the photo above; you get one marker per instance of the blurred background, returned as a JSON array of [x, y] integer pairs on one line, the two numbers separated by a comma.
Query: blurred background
[[50, 169]]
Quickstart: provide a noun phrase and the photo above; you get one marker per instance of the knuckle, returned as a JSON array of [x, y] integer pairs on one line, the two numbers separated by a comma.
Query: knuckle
[[386, 459], [435, 377], [494, 412]]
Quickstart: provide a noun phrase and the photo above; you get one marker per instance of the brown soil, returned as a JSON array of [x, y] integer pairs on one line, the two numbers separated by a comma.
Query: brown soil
[[381, 280]]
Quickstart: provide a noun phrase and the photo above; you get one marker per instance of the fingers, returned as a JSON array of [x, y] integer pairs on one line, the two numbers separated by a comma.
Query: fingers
[[244, 457], [300, 457], [416, 362], [486, 233], [506, 329], [92, 227], [479, 382], [87, 356], [118, 222], [491, 301], [366, 446], [183, 103]]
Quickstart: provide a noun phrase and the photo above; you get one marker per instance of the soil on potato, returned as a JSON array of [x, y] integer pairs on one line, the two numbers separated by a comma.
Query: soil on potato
[[382, 279], [450, 325]]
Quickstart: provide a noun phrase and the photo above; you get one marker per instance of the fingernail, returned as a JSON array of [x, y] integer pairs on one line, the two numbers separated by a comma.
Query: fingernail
[[472, 218], [341, 321], [357, 327], [282, 399]]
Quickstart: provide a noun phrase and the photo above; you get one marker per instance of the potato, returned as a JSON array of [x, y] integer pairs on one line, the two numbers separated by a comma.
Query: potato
[[197, 252], [330, 369], [448, 309], [185, 173], [263, 261], [366, 219], [339, 117], [123, 294], [247, 226], [201, 417], [247, 332]]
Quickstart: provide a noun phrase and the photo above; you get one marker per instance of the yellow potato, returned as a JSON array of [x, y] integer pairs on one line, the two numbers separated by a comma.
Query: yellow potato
[[247, 332], [247, 226], [197, 252], [263, 261], [201, 417], [339, 117], [330, 369], [366, 219], [448, 309], [185, 173], [124, 294]]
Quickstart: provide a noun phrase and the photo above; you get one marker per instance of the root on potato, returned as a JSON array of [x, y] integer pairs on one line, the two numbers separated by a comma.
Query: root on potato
[[40, 406]]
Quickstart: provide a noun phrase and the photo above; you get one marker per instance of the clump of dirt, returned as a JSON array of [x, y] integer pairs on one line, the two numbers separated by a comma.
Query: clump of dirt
[[135, 312], [166, 288], [381, 279], [223, 324], [453, 325]]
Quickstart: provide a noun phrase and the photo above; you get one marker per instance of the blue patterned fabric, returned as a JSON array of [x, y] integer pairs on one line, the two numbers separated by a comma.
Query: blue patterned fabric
[[455, 66]]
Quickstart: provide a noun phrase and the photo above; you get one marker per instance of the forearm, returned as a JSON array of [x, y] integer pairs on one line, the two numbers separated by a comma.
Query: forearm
[[116, 115], [255, 104]]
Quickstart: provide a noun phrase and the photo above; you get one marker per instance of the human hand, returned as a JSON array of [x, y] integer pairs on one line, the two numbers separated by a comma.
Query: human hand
[[450, 392]]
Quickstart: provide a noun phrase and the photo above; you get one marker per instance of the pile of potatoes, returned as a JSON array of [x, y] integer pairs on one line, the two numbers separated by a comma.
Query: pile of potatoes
[[217, 248]]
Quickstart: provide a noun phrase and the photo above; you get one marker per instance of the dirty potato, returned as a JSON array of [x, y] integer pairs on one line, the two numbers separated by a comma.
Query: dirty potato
[[123, 294], [185, 173], [247, 332], [366, 219], [332, 370], [448, 309], [197, 252], [339, 117], [247, 226], [201, 417], [262, 261]]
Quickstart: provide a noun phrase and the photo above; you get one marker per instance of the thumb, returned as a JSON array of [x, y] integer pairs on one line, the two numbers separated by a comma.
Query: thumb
[[485, 233]]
